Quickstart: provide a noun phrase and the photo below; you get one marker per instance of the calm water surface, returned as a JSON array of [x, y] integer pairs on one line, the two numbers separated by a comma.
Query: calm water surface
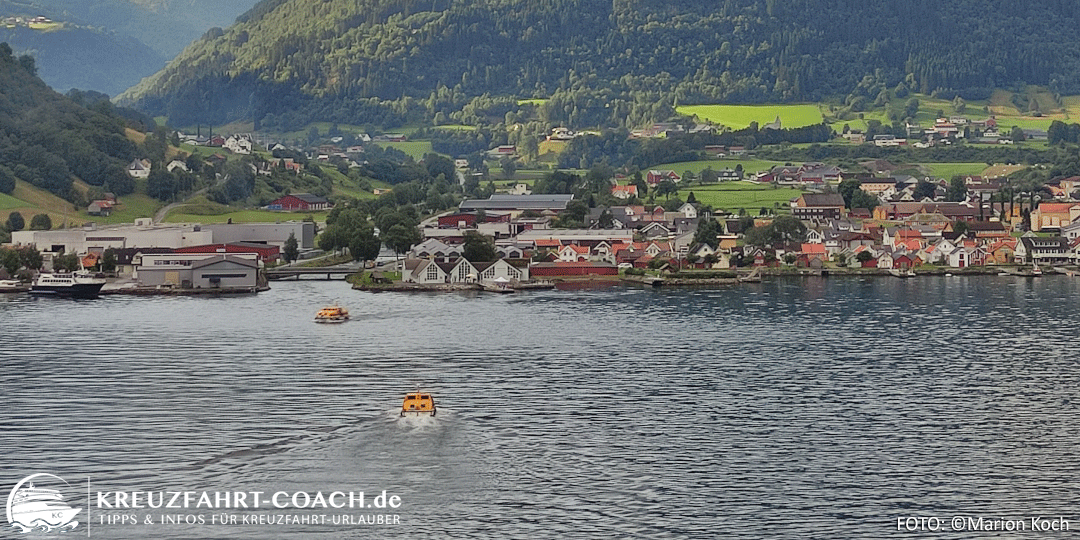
[[797, 408]]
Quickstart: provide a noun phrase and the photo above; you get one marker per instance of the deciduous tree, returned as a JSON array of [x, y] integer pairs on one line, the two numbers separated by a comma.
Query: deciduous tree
[[15, 222], [40, 222], [478, 248]]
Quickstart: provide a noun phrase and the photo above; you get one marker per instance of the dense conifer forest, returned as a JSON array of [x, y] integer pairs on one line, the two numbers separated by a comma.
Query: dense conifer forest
[[610, 63]]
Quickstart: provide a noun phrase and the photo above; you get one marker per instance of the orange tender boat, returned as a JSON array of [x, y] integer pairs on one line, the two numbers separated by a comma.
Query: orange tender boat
[[418, 404], [332, 314]]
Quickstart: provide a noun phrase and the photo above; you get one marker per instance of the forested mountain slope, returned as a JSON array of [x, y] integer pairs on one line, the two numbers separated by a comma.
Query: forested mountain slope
[[603, 62], [49, 140]]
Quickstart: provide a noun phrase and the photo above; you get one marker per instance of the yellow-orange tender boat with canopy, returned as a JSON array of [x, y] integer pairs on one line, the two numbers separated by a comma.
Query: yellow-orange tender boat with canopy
[[418, 404], [332, 314]]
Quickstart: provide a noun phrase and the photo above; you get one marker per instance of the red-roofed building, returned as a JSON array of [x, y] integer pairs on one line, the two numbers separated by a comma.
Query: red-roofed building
[[1054, 215], [655, 177], [299, 201], [574, 253], [624, 192], [266, 252]]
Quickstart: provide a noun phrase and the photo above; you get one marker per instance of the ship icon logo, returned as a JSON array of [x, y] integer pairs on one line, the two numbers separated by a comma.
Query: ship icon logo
[[40, 509]]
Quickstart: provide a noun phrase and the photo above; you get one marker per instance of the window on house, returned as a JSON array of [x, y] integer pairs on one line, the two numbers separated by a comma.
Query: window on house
[[432, 272]]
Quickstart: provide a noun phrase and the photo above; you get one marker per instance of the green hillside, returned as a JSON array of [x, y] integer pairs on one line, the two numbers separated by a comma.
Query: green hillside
[[600, 62], [49, 141]]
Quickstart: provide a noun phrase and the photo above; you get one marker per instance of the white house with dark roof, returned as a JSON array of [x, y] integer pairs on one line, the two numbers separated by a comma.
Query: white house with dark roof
[[435, 250], [139, 168]]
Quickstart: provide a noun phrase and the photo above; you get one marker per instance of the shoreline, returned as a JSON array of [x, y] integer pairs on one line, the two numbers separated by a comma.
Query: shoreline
[[687, 279], [684, 279]]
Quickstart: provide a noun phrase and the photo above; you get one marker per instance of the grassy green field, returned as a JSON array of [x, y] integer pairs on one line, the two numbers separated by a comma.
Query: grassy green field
[[131, 206], [29, 201], [415, 149], [7, 202], [203, 211], [343, 185], [732, 196], [999, 105], [456, 127], [949, 170], [740, 116], [241, 216]]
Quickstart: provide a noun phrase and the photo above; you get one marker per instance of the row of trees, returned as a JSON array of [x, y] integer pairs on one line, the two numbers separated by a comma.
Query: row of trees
[[24, 257], [22, 261], [16, 222]]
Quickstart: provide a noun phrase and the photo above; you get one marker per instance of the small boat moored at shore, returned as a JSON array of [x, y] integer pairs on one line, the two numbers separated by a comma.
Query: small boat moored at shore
[[69, 285], [418, 404], [332, 314], [12, 285]]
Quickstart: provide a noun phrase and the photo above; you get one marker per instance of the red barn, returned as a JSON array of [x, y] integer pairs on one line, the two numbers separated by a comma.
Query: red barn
[[572, 269], [299, 201], [655, 177]]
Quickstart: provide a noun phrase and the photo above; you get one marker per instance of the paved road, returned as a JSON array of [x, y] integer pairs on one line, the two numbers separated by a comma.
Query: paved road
[[159, 216]]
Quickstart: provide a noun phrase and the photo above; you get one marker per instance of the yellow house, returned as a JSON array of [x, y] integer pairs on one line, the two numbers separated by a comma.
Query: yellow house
[[1001, 251]]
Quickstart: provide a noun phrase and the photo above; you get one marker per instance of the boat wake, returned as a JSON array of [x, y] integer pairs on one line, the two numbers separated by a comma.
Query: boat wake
[[415, 422]]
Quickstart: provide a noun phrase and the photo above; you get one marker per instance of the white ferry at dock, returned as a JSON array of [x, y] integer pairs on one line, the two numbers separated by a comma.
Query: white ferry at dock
[[71, 285]]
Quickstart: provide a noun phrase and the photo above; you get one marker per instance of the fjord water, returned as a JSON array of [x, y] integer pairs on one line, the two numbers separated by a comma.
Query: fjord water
[[794, 408]]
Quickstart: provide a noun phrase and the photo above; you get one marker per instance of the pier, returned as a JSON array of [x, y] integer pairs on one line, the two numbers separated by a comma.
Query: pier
[[325, 272]]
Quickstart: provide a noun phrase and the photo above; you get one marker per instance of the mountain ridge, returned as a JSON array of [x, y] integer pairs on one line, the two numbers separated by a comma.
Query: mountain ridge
[[604, 62]]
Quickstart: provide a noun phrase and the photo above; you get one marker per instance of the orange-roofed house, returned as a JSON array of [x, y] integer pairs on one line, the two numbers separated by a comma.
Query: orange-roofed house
[[906, 236], [624, 192], [1054, 215], [90, 260], [811, 256], [1001, 252], [913, 245], [574, 253]]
